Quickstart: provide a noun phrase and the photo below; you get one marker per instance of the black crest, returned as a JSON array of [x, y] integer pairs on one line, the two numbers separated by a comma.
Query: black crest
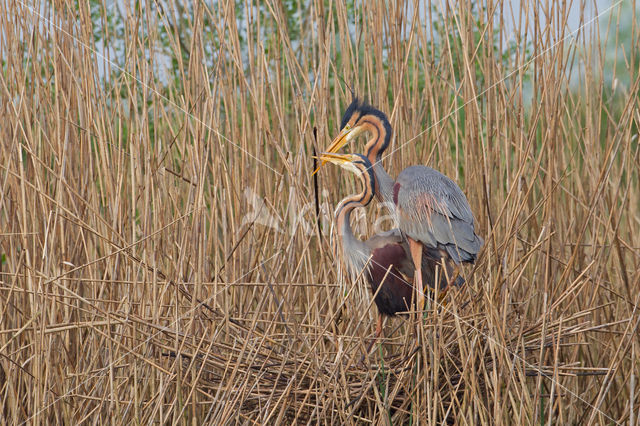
[[363, 108]]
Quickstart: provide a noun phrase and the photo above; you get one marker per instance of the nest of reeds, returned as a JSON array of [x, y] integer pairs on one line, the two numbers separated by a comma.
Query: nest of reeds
[[429, 369]]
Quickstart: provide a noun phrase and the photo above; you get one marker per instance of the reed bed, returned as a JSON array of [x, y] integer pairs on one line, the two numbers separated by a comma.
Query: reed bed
[[163, 258]]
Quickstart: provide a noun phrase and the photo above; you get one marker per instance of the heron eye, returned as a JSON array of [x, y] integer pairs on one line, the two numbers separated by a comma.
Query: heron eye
[[347, 127]]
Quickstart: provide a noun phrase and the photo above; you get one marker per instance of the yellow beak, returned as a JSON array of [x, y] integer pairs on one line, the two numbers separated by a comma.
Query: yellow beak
[[340, 141]]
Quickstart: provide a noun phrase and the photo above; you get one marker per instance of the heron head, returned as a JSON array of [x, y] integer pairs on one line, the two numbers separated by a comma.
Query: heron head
[[359, 118], [355, 120], [361, 166], [347, 134]]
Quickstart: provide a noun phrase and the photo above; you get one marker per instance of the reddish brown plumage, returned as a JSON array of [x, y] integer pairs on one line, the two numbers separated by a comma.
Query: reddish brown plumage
[[396, 292], [396, 189]]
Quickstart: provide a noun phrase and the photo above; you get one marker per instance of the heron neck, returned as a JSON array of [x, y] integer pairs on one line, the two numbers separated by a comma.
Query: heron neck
[[384, 182], [377, 145], [355, 251]]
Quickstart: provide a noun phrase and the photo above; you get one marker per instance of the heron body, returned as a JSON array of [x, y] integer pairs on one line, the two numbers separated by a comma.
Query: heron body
[[385, 257], [432, 211]]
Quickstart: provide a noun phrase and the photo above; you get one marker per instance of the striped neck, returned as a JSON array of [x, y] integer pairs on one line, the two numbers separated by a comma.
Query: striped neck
[[355, 252], [380, 128]]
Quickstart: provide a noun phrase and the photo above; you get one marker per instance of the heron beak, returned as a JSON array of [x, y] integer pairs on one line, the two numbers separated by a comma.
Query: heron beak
[[328, 157], [341, 140]]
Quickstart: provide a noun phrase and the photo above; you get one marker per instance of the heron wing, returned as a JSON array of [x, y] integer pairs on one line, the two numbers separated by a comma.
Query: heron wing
[[432, 209]]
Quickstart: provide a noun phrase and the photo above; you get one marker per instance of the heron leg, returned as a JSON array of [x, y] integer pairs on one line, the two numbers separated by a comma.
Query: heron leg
[[416, 254]]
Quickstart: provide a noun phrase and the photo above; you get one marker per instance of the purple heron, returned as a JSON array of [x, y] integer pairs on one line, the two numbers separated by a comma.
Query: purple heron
[[385, 257], [432, 211]]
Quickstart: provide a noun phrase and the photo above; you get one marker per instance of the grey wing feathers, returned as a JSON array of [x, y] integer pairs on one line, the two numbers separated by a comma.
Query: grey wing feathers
[[416, 180], [432, 209]]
